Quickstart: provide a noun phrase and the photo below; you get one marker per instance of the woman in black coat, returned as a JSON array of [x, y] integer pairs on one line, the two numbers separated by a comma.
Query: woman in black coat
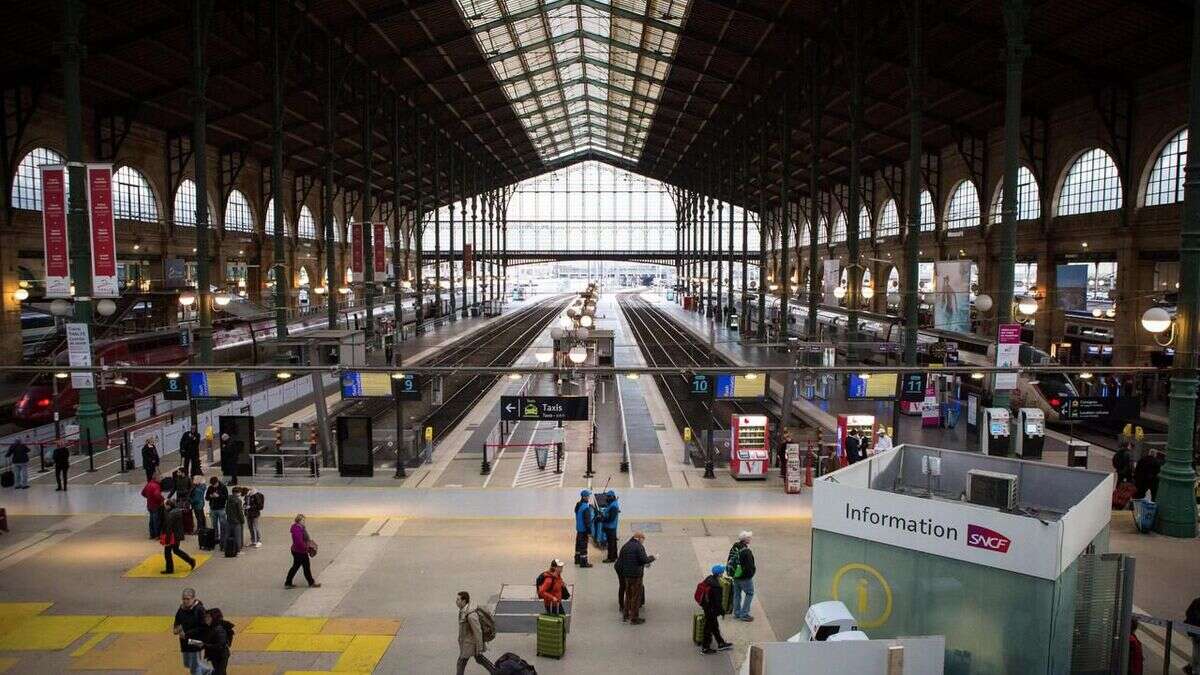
[[217, 639]]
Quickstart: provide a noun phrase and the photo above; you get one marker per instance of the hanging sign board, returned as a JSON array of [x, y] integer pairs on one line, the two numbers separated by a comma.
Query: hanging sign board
[[218, 385], [104, 236], [555, 408], [79, 352], [1008, 352], [54, 231], [702, 386], [356, 252], [379, 249], [912, 388]]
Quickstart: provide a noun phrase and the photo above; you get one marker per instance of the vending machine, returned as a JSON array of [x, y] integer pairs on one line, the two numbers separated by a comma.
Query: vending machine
[[1031, 436], [750, 451], [994, 432], [863, 424]]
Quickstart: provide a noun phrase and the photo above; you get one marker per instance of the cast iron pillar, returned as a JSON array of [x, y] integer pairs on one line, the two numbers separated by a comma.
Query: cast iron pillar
[[201, 14], [912, 240], [368, 229], [437, 229], [816, 107], [784, 278], [278, 261], [764, 236], [332, 283], [418, 226], [853, 202]]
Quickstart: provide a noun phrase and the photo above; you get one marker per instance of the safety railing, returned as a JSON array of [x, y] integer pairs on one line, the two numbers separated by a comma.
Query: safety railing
[[1171, 655], [284, 463]]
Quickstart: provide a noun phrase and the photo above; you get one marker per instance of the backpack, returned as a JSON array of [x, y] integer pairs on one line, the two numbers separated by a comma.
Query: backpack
[[228, 626], [511, 664], [537, 586], [487, 624], [734, 562], [701, 591]]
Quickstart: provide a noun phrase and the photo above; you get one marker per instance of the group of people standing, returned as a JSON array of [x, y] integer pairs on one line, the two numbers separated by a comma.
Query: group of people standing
[[18, 456]]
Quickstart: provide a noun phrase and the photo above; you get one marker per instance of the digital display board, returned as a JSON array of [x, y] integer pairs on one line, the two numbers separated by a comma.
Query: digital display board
[[222, 385], [881, 386], [750, 385], [366, 385]]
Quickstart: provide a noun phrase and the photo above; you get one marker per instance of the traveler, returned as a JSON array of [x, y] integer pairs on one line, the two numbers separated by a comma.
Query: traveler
[[196, 497], [181, 486], [1122, 463], [255, 502], [154, 501], [150, 458], [551, 588], [713, 611], [1192, 617], [741, 569], [62, 464], [883, 442], [189, 623], [19, 454], [189, 452], [235, 518], [1145, 475], [630, 567], [216, 496], [853, 447], [583, 525], [217, 640], [172, 536], [611, 514], [230, 449], [303, 549], [471, 644]]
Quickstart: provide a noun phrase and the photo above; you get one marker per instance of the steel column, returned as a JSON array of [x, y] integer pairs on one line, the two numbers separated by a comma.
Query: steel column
[[729, 290], [462, 184], [475, 238], [397, 228], [278, 262], [816, 108], [854, 273], [912, 240], [451, 178], [418, 225], [437, 229], [368, 231], [201, 14], [332, 283], [785, 278], [764, 237]]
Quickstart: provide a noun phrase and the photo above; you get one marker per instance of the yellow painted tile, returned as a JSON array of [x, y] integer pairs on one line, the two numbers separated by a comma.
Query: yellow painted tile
[[119, 659], [363, 654], [251, 642], [151, 567], [22, 609], [47, 633], [348, 626], [294, 625], [136, 624], [252, 669], [6, 663], [310, 643], [86, 647]]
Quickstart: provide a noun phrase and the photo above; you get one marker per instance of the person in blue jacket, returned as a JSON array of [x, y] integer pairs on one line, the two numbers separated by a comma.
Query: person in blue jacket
[[583, 525], [612, 516]]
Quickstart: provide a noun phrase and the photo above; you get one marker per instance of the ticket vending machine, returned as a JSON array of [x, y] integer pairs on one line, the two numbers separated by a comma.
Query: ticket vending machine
[[1031, 433], [863, 424], [750, 449], [994, 432]]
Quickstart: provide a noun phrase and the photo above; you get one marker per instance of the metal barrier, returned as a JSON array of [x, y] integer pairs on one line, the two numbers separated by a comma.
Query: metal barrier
[[280, 462], [1185, 629]]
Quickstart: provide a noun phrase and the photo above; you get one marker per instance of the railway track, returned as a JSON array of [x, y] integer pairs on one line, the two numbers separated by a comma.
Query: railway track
[[664, 343]]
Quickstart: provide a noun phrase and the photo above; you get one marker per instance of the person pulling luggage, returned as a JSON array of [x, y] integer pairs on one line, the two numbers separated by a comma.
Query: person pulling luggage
[[583, 525], [552, 589], [711, 601]]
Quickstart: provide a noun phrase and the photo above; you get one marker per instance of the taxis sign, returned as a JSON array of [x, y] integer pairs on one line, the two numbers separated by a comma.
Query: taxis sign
[[553, 408]]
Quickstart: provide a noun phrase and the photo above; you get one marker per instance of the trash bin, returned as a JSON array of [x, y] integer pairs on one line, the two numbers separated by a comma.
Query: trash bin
[[1144, 512], [1077, 453], [541, 452]]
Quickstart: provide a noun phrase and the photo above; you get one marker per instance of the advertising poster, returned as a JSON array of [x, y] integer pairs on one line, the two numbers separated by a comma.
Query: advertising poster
[[1071, 287], [104, 236], [931, 414], [951, 297], [1008, 354], [54, 231], [831, 280], [356, 252], [379, 249], [79, 354]]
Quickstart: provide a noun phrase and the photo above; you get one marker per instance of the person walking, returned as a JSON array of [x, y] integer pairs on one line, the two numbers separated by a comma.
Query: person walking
[[631, 567], [552, 589], [189, 452], [217, 638], [173, 534], [303, 549], [217, 495], [583, 525], [62, 465], [230, 449], [18, 453], [713, 611], [255, 503], [471, 644], [612, 517], [189, 624], [741, 569], [196, 497], [150, 458], [235, 518], [154, 502]]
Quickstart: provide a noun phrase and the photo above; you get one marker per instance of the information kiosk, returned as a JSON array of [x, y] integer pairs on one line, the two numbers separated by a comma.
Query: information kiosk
[[994, 432], [750, 450], [1031, 433]]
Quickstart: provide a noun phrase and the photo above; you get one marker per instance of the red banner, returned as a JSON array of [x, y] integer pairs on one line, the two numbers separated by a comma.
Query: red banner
[[356, 251], [379, 250], [54, 231], [104, 236]]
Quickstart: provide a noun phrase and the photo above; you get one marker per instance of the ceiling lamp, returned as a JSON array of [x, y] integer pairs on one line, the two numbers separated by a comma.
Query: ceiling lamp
[[1027, 306], [839, 292], [983, 302], [578, 354], [187, 298]]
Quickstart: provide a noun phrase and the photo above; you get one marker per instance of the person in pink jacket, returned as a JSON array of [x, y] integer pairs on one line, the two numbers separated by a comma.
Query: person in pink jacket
[[303, 549]]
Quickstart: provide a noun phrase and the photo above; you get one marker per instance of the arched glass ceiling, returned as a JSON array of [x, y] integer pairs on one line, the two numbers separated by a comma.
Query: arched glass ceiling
[[582, 75]]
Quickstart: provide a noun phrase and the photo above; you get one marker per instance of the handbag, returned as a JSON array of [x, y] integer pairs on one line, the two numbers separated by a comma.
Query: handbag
[[311, 548]]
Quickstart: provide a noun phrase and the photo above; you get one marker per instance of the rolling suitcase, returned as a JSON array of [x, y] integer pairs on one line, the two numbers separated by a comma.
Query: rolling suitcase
[[7, 479], [726, 594], [551, 635], [189, 522], [207, 538], [230, 547], [1122, 495], [698, 628]]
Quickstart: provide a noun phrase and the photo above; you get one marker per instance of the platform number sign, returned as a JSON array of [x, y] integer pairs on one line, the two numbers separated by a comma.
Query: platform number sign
[[174, 389], [702, 386], [407, 388]]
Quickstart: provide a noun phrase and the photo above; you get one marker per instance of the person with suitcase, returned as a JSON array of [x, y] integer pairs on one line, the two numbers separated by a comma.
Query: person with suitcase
[[583, 525], [18, 453], [172, 536], [552, 589], [710, 597], [62, 464], [472, 638]]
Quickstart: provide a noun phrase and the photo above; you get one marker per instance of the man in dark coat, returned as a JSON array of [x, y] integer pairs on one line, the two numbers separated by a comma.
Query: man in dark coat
[[630, 566], [150, 459], [62, 464], [189, 452], [230, 449], [853, 447]]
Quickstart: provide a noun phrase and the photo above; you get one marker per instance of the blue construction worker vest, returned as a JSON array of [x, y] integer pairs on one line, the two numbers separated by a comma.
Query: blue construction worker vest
[[616, 519], [581, 509]]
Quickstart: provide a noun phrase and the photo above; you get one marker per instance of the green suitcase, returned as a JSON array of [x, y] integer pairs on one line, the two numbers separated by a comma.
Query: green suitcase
[[551, 635], [726, 594], [698, 628]]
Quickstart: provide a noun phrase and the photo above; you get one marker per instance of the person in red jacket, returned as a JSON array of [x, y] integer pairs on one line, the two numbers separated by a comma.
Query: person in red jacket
[[551, 588], [154, 501], [1135, 650]]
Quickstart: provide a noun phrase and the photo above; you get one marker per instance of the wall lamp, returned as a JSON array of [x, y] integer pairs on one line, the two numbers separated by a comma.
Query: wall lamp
[[1157, 320]]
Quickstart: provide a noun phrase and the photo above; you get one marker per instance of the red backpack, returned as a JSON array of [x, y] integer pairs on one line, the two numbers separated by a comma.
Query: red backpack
[[701, 591]]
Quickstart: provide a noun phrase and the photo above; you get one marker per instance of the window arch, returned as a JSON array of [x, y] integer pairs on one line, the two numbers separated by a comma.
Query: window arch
[[269, 224], [839, 229], [27, 184], [864, 223], [1029, 199], [238, 216], [888, 224], [1092, 184], [804, 235], [1165, 185], [184, 205], [306, 227], [823, 231], [928, 217], [132, 197], [337, 230], [963, 210]]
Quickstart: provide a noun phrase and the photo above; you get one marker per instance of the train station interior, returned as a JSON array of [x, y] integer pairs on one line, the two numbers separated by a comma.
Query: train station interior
[[599, 336]]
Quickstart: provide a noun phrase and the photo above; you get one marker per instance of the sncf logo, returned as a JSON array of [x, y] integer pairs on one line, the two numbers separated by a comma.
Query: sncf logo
[[981, 537]]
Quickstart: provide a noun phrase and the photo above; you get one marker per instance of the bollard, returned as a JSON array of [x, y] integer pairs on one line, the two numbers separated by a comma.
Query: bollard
[[91, 452], [624, 457], [278, 439], [484, 467]]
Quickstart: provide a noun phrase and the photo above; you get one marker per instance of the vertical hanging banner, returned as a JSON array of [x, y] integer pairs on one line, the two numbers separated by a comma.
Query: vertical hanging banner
[[379, 250], [356, 252], [54, 231], [1008, 354], [104, 236], [79, 353]]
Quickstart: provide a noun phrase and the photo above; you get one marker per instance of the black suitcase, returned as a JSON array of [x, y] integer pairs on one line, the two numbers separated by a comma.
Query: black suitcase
[[7, 479], [231, 549], [207, 538]]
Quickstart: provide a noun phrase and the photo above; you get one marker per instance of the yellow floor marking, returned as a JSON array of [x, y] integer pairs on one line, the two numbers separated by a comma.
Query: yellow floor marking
[[252, 669], [22, 609], [151, 567], [363, 654], [310, 643], [6, 663], [348, 626], [46, 633], [296, 625], [251, 642], [121, 659], [86, 647], [136, 624]]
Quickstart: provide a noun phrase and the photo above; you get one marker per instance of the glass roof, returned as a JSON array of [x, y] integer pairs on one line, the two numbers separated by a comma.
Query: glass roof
[[582, 75]]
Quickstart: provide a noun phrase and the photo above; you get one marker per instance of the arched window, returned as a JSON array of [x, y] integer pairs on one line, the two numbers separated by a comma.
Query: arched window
[[306, 227], [238, 216], [888, 224], [185, 204], [269, 225], [337, 230], [1092, 184], [804, 233], [27, 184], [963, 210], [132, 197], [1029, 205], [839, 229], [928, 217], [823, 231], [864, 224], [1166, 178]]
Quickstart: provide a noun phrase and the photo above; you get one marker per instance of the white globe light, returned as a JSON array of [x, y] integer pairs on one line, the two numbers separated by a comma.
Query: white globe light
[[1156, 320], [1027, 306], [223, 299], [839, 292], [543, 355], [557, 334], [187, 298], [983, 302], [1111, 312], [586, 322], [106, 307], [564, 323], [20, 295], [577, 355], [60, 307], [868, 292], [1097, 312]]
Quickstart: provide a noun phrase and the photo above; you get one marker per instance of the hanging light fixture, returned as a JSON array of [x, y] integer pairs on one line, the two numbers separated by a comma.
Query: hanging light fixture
[[187, 298], [578, 354], [983, 302], [839, 292], [544, 356], [1027, 306], [222, 299]]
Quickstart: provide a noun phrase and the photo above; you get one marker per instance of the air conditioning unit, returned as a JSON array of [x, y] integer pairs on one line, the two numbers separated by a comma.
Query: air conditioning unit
[[989, 488]]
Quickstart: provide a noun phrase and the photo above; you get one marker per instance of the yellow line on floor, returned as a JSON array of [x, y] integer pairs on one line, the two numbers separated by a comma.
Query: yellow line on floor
[[86, 647]]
